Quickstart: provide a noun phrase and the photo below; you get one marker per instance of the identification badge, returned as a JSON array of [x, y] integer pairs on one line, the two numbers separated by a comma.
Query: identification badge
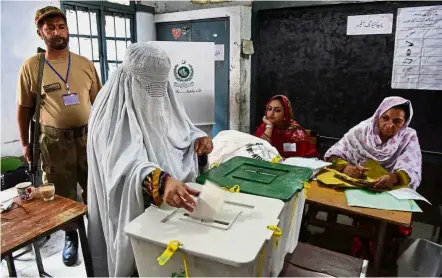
[[289, 147], [52, 87], [70, 99]]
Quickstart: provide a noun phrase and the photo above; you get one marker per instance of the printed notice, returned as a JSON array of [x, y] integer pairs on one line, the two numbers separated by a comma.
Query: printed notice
[[219, 52], [417, 60], [370, 24]]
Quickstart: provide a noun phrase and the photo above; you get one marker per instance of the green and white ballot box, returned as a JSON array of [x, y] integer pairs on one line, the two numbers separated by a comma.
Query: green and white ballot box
[[271, 180]]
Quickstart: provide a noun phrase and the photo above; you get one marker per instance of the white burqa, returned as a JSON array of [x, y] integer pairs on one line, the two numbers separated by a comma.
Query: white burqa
[[137, 124]]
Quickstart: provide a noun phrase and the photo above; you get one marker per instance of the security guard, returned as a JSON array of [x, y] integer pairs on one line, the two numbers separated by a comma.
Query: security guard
[[69, 87]]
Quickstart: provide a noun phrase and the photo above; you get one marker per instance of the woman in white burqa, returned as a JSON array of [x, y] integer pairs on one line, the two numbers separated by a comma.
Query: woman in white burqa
[[141, 149]]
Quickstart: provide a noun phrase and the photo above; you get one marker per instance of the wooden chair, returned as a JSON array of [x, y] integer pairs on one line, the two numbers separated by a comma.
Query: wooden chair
[[314, 138], [313, 134]]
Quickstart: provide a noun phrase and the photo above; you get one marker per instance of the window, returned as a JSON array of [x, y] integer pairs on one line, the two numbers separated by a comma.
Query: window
[[117, 38], [83, 33], [100, 32]]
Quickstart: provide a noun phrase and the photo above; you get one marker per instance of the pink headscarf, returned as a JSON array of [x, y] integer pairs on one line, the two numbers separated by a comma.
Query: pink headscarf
[[401, 152]]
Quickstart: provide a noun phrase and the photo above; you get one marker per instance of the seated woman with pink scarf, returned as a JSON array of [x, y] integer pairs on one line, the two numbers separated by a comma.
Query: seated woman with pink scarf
[[385, 138]]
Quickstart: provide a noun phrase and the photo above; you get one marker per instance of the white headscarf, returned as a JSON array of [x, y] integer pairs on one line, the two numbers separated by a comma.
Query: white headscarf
[[137, 124]]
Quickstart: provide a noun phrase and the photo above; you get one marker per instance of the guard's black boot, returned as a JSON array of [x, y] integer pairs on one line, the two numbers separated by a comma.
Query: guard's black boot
[[70, 250]]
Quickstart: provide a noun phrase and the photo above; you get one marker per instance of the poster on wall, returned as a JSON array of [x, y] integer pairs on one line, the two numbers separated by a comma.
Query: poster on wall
[[417, 62], [192, 77], [370, 24], [219, 52]]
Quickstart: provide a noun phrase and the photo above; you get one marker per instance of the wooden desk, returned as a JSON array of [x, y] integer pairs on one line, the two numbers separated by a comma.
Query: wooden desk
[[36, 219], [335, 199]]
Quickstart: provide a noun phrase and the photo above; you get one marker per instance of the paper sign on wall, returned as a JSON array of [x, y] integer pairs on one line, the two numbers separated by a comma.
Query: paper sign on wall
[[370, 24], [417, 62], [219, 52], [192, 77]]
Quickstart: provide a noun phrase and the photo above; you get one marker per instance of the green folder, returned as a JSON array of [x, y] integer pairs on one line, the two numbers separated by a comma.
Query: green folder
[[383, 200]]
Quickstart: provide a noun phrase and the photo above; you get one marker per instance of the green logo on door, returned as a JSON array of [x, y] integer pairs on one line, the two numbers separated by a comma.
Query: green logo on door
[[183, 72]]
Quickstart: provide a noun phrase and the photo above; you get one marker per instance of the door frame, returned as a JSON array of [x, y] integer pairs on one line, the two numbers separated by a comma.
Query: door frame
[[239, 75]]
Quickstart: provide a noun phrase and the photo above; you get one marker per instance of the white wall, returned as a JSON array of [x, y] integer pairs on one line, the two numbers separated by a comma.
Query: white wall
[[171, 6], [145, 27], [19, 42]]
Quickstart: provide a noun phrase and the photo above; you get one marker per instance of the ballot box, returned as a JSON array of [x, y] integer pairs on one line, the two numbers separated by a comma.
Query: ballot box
[[272, 180], [316, 166], [239, 241]]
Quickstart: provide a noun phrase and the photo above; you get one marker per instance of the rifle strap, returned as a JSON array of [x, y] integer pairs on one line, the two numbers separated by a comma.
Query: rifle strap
[[36, 135], [41, 64]]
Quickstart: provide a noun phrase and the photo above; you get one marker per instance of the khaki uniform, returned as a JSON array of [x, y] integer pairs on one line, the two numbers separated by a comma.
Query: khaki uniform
[[64, 128]]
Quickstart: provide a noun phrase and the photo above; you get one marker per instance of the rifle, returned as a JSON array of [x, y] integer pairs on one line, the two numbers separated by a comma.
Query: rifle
[[34, 135]]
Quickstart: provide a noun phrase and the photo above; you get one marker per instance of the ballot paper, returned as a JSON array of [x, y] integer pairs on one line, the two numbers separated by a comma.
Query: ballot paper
[[407, 194], [210, 202]]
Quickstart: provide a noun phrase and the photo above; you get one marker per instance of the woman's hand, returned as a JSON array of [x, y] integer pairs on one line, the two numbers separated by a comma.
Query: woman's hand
[[203, 145], [386, 182], [354, 171], [179, 195], [266, 121]]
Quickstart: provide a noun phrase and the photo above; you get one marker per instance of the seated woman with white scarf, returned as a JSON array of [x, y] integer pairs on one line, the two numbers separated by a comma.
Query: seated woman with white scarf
[[141, 149], [385, 138]]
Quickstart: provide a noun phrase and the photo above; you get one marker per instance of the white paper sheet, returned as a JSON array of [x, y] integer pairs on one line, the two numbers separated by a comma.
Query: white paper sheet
[[8, 194], [219, 52], [407, 194], [417, 62], [312, 163], [370, 24]]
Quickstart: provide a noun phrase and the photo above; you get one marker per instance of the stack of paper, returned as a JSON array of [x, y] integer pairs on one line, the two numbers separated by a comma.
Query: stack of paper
[[384, 200], [313, 163]]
